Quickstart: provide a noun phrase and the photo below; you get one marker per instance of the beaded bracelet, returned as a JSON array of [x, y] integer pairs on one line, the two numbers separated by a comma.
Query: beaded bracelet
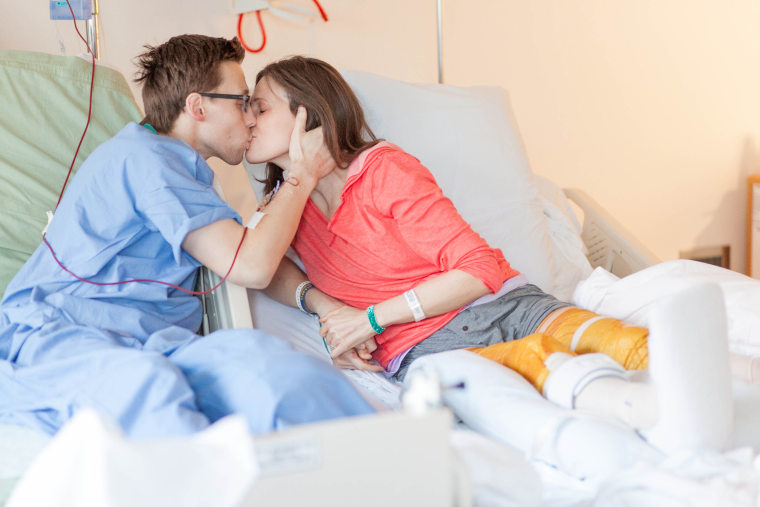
[[377, 328], [301, 291]]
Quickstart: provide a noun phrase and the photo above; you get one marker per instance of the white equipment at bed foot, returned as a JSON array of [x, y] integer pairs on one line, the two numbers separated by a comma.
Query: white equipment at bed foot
[[499, 403], [689, 369], [597, 383], [90, 463]]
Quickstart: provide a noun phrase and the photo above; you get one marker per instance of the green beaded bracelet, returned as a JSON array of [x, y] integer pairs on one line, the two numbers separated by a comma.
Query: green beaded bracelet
[[372, 321]]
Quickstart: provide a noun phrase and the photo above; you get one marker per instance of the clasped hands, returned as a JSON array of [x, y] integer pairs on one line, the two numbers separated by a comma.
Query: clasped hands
[[350, 338]]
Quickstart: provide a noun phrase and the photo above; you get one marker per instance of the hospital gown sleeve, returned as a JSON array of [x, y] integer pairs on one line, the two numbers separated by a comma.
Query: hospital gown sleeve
[[176, 196]]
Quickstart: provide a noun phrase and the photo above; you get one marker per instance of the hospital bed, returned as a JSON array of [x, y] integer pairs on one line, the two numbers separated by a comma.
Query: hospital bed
[[562, 240]]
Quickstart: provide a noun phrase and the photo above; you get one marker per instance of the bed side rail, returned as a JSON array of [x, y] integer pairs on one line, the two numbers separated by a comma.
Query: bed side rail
[[610, 245], [225, 308]]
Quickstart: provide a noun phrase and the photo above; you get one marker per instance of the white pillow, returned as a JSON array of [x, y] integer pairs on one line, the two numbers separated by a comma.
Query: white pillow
[[568, 250], [468, 139]]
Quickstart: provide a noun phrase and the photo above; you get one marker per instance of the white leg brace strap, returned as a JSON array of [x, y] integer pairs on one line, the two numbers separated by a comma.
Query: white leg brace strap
[[570, 374]]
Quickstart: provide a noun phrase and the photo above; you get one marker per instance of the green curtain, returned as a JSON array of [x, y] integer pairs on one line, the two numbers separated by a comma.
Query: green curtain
[[44, 111]]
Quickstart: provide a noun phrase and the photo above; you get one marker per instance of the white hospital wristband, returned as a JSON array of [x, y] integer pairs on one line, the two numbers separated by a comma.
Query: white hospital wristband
[[414, 305]]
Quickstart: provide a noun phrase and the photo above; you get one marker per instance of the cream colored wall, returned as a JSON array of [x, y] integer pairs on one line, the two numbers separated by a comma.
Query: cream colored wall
[[652, 107]]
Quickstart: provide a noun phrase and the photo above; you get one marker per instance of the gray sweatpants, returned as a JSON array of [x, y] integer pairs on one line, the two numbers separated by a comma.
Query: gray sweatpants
[[516, 314]]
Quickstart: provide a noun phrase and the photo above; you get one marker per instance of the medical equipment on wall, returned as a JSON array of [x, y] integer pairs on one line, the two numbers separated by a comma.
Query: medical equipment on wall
[[286, 10], [84, 7], [88, 10]]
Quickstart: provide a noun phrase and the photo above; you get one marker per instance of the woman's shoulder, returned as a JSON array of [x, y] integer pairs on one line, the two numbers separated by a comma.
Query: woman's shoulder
[[385, 166], [386, 156], [386, 149]]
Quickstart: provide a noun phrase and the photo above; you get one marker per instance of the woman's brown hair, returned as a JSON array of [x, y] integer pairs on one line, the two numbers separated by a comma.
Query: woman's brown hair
[[329, 102], [175, 69]]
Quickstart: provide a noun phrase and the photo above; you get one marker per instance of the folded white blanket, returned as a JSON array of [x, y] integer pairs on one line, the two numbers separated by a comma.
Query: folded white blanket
[[631, 298]]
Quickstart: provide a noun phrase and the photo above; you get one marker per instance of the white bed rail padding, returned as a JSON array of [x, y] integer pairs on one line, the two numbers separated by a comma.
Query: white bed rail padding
[[610, 245]]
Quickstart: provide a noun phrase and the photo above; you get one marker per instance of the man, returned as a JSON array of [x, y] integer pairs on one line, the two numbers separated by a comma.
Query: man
[[77, 331]]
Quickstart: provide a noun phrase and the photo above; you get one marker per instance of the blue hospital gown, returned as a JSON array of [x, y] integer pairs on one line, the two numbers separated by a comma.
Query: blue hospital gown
[[131, 351]]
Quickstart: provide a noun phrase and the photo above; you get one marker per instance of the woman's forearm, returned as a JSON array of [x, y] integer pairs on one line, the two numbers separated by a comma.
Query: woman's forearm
[[273, 235], [285, 282], [345, 328], [449, 291]]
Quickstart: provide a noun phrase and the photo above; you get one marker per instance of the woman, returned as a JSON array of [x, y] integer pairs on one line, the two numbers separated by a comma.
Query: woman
[[399, 274]]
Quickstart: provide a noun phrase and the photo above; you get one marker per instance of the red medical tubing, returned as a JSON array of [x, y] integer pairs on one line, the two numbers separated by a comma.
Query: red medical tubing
[[71, 167], [263, 34], [148, 280], [322, 13]]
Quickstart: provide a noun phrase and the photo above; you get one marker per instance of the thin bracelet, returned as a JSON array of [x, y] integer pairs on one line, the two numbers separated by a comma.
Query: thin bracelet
[[377, 328], [414, 305], [301, 290], [303, 300]]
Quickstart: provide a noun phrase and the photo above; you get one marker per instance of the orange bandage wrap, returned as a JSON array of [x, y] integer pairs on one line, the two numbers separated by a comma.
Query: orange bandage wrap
[[526, 356], [584, 331]]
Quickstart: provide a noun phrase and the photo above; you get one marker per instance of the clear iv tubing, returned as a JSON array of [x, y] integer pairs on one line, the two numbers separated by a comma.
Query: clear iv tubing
[[71, 167]]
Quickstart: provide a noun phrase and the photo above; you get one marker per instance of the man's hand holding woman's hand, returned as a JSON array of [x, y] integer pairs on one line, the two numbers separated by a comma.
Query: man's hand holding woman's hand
[[359, 358], [345, 328], [350, 338]]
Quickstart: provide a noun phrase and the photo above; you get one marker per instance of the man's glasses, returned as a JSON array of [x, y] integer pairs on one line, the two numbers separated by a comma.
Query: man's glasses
[[245, 98]]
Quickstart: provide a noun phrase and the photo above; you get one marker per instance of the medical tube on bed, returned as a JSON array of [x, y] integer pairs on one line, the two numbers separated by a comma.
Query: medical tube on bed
[[148, 280]]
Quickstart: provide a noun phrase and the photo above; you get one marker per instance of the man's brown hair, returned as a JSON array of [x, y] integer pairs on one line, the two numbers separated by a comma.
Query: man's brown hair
[[180, 66]]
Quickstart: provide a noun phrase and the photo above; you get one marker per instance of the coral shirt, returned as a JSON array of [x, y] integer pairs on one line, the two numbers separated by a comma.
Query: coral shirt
[[393, 230]]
